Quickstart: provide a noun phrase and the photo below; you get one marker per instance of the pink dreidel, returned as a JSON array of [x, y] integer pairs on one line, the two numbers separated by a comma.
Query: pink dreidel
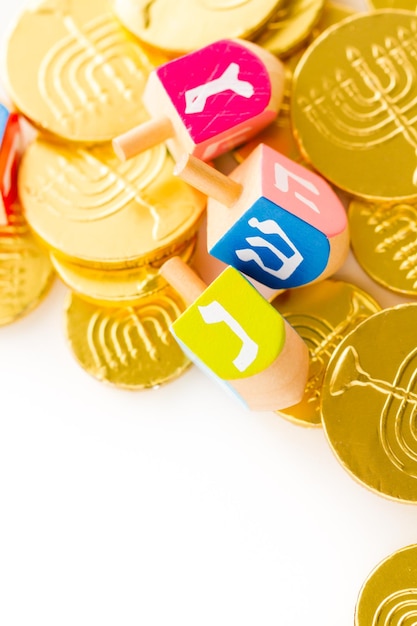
[[10, 151], [235, 335], [272, 219], [208, 101]]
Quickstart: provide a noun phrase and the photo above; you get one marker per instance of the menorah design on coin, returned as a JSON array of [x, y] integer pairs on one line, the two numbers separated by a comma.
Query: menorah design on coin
[[91, 71], [398, 608], [384, 242], [25, 275], [129, 346], [381, 104], [388, 596], [91, 185], [354, 105], [12, 275], [397, 424], [321, 338]]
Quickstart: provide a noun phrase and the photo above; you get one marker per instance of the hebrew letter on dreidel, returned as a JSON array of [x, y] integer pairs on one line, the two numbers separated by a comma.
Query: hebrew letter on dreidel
[[282, 176], [269, 227], [271, 366], [215, 313], [196, 98]]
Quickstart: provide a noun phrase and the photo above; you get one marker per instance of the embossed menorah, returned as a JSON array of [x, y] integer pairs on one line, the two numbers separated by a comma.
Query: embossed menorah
[[87, 188], [349, 373], [68, 74], [397, 423], [398, 608], [382, 104], [322, 339]]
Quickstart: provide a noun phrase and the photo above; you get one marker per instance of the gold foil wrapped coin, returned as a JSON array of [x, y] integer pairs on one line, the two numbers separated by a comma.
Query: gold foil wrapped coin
[[186, 25], [322, 314], [26, 273], [117, 287], [75, 71], [127, 346], [279, 134], [286, 31], [369, 402], [93, 209], [409, 5], [354, 105], [383, 240], [389, 595]]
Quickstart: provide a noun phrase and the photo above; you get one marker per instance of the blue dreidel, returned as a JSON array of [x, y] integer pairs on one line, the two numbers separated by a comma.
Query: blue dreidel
[[274, 220]]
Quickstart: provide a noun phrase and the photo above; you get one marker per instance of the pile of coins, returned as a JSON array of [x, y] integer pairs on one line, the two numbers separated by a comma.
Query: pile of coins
[[106, 217]]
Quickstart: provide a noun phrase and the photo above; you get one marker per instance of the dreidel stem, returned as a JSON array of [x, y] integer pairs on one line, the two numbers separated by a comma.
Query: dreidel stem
[[143, 137], [183, 279], [208, 180]]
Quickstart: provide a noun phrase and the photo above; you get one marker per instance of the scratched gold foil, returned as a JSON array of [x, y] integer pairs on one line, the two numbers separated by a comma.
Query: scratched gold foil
[[127, 346], [91, 208], [388, 597], [384, 242], [192, 24], [354, 105], [26, 273], [117, 287], [286, 31], [75, 71], [369, 401], [322, 314]]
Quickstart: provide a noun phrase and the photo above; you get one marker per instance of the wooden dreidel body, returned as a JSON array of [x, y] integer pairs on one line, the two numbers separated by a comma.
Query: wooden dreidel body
[[234, 334], [10, 151], [274, 220], [208, 101]]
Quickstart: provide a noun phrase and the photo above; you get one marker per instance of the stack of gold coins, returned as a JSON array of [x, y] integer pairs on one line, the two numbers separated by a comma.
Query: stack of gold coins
[[108, 225]]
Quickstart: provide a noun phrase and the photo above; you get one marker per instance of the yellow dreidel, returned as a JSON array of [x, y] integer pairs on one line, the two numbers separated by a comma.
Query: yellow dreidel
[[274, 220], [208, 101], [233, 333]]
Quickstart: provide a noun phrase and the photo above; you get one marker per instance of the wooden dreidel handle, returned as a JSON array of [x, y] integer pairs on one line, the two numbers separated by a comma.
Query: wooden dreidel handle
[[208, 101], [274, 220], [232, 332], [10, 152]]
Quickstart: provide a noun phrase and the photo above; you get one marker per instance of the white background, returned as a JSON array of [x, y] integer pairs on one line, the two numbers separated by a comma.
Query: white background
[[169, 506]]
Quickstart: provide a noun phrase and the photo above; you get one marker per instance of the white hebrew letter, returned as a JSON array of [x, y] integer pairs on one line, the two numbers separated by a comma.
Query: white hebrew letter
[[269, 227], [282, 183], [196, 98], [214, 313]]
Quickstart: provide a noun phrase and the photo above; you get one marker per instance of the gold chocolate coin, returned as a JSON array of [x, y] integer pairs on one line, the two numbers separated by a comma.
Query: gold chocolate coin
[[113, 287], [409, 5], [92, 208], [26, 274], [279, 134], [290, 26], [389, 595], [322, 314], [75, 71], [384, 243], [354, 105], [129, 347], [191, 24], [369, 402]]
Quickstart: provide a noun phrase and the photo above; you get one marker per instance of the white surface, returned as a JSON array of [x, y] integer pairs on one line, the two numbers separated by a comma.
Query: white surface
[[172, 506]]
